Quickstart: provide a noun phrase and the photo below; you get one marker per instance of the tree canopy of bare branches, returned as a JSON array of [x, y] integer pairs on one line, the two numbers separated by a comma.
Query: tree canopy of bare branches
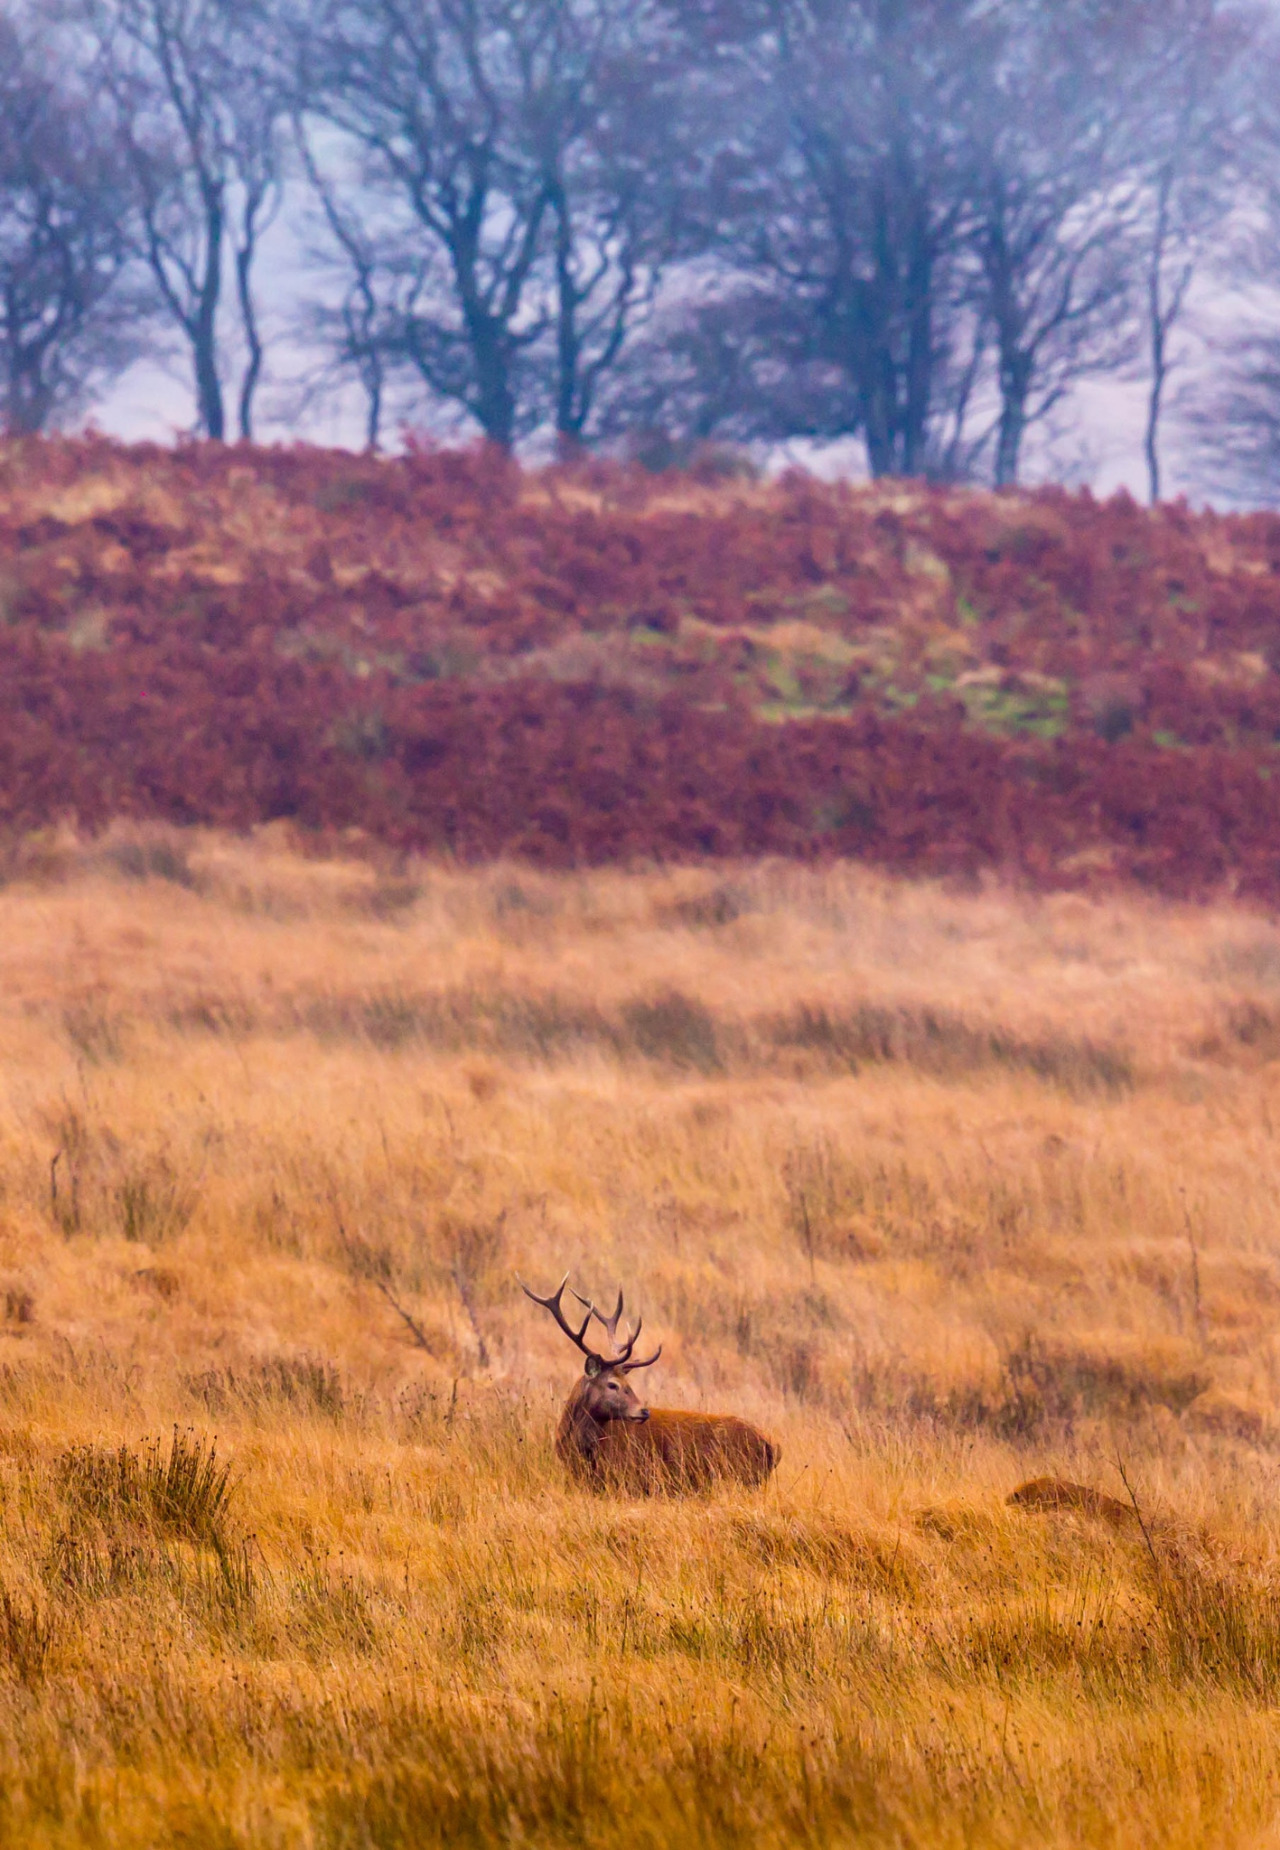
[[920, 225], [200, 121], [841, 212], [519, 156], [1234, 413], [1191, 137], [64, 239]]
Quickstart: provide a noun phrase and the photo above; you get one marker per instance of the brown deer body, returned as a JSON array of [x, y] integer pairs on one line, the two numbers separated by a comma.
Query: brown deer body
[[608, 1437]]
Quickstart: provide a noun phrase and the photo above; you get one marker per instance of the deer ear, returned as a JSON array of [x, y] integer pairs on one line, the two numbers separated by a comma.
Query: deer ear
[[593, 1366]]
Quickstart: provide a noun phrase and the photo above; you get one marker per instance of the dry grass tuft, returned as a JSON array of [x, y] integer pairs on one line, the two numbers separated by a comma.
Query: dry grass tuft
[[181, 1492]]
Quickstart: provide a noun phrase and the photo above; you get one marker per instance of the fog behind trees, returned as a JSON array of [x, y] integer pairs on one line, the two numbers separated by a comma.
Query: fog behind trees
[[925, 232]]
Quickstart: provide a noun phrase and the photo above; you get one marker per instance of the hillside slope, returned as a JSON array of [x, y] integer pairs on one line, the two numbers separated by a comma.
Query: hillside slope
[[591, 664]]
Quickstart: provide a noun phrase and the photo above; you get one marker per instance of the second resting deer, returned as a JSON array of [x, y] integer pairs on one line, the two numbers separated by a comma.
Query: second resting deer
[[609, 1437]]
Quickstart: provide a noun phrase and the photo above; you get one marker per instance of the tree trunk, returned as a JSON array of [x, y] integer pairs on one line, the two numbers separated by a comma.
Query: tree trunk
[[1155, 398], [1009, 443], [882, 458], [253, 339], [1160, 319], [495, 406], [568, 410], [372, 381], [918, 380], [1016, 372], [204, 331]]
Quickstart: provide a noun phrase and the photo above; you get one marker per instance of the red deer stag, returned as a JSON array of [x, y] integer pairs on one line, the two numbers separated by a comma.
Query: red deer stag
[[608, 1437]]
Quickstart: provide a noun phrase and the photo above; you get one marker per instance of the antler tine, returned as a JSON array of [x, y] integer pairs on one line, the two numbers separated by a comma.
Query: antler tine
[[629, 1345], [610, 1323], [554, 1305], [626, 1367], [621, 1359], [621, 1354]]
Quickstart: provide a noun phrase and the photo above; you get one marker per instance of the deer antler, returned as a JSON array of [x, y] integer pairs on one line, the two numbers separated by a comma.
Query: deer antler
[[621, 1360], [553, 1304]]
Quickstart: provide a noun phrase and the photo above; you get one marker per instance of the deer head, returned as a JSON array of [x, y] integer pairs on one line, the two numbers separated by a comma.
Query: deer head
[[603, 1393]]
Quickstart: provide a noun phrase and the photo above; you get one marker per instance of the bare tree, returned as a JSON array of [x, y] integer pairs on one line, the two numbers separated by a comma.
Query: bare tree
[[65, 324], [1235, 423], [353, 332], [200, 122], [522, 147], [1191, 137], [947, 216], [256, 114], [725, 361], [1055, 201], [610, 136], [426, 91], [840, 210], [1234, 412]]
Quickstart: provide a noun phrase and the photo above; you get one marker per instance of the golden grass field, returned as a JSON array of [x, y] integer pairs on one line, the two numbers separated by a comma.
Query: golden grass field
[[943, 1189]]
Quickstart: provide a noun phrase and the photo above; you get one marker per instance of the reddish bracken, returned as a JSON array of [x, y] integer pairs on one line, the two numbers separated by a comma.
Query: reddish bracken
[[591, 665], [608, 1437]]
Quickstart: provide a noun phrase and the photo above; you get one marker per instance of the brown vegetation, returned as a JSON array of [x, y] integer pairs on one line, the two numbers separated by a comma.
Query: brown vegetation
[[593, 666], [1054, 1493], [945, 1191]]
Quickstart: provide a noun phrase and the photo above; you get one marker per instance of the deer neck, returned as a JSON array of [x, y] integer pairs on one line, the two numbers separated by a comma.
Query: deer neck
[[580, 1433]]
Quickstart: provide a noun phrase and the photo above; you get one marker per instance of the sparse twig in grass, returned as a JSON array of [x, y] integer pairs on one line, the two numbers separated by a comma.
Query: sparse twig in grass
[[477, 1247], [415, 1328], [1142, 1523], [373, 1266], [463, 1283], [64, 1211], [806, 1171], [1197, 1305]]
